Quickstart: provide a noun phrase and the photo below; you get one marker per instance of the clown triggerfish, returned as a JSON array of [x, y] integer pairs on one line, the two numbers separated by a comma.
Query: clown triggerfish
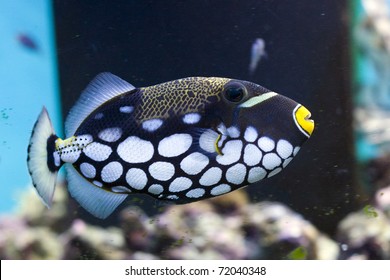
[[183, 141]]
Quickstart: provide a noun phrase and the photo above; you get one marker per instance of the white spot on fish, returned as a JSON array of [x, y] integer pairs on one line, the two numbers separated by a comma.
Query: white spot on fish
[[83, 140], [155, 189], [172, 197], [250, 134], [256, 174], [274, 172], [120, 189], [97, 184], [195, 193], [110, 134], [211, 176], [152, 125], [194, 163], [252, 155], [88, 170], [57, 158], [222, 140], [175, 145], [111, 172], [207, 140], [236, 174], [287, 161], [180, 184], [271, 160], [99, 116], [191, 118], [69, 150], [126, 109], [136, 178], [222, 129], [266, 144], [70, 154], [135, 150], [296, 150], [162, 171], [233, 132], [97, 151], [284, 149], [220, 189], [231, 153]]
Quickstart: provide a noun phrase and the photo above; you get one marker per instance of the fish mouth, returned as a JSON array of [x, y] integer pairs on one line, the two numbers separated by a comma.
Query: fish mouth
[[303, 121]]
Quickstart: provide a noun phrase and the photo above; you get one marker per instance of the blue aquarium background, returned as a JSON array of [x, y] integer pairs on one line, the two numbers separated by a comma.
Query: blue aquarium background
[[29, 80], [333, 200]]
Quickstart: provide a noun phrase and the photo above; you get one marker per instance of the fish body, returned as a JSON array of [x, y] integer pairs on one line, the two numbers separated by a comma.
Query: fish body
[[183, 141], [257, 53]]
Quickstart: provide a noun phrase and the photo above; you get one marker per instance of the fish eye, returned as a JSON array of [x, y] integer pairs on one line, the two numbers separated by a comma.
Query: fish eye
[[235, 92]]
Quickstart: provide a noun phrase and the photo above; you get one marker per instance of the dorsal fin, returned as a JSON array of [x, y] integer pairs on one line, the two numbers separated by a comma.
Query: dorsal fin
[[101, 89]]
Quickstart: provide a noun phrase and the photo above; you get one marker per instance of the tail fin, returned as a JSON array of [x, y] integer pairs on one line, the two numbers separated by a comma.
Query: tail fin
[[42, 160]]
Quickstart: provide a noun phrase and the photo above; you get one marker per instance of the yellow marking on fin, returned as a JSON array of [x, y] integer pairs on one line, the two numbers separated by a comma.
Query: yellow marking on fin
[[217, 149], [63, 143]]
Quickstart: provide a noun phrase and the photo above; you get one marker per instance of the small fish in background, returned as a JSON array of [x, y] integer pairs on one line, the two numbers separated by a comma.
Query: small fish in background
[[257, 53], [181, 141], [27, 41]]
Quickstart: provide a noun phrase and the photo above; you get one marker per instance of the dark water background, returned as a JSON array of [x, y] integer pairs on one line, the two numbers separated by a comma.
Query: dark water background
[[148, 42]]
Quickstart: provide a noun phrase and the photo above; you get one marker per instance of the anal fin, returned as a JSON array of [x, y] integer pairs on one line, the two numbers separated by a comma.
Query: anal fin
[[96, 201]]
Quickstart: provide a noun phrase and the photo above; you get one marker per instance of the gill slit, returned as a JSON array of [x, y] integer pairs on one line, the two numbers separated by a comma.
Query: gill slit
[[217, 149]]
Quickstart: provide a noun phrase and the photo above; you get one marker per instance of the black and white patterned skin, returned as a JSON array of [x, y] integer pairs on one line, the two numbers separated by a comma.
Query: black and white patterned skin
[[182, 141]]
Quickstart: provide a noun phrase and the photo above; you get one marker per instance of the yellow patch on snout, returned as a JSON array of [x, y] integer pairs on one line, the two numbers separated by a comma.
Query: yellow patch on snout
[[302, 120]]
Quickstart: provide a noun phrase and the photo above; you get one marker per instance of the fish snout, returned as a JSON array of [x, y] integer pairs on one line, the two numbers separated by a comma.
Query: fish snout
[[302, 119]]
